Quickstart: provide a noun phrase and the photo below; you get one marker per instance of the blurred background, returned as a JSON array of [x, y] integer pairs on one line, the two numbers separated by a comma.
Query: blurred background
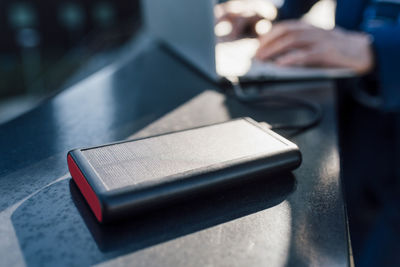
[[46, 46]]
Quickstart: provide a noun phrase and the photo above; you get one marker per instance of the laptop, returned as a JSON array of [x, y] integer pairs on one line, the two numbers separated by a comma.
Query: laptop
[[187, 27]]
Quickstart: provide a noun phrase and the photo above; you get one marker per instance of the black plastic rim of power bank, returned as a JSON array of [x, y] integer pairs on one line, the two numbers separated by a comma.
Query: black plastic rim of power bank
[[109, 206]]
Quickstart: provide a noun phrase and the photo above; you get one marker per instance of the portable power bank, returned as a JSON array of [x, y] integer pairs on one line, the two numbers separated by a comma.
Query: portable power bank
[[124, 178]]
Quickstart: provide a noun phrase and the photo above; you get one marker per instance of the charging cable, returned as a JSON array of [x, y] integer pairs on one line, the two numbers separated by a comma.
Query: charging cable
[[313, 107]]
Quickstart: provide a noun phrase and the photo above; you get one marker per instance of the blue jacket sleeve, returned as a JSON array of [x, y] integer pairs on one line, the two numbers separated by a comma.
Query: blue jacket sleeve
[[294, 9], [387, 58]]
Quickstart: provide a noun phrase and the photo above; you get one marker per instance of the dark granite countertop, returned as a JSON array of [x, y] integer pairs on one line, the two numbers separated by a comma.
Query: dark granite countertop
[[287, 219]]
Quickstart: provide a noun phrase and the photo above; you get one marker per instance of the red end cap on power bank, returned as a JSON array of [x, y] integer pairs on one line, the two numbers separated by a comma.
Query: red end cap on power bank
[[85, 188]]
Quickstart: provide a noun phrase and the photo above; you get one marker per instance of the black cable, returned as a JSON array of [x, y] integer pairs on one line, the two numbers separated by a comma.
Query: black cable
[[315, 108]]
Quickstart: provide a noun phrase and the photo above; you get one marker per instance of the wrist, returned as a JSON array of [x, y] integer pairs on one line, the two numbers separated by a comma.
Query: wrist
[[369, 60]]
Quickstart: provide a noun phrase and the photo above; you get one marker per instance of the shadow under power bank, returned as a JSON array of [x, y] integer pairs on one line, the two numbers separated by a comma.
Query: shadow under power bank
[[128, 177]]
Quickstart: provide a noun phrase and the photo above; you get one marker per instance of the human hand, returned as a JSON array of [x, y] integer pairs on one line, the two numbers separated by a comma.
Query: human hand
[[242, 21], [244, 18], [295, 43]]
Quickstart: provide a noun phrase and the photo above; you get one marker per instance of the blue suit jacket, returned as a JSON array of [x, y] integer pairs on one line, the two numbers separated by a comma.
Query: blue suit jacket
[[349, 15]]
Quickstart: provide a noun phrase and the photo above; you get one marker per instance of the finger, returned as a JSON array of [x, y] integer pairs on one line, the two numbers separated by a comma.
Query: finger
[[282, 45], [279, 30], [238, 27], [296, 58], [302, 57], [226, 17]]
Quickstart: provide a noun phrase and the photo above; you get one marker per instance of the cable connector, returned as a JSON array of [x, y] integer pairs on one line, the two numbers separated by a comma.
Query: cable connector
[[315, 108]]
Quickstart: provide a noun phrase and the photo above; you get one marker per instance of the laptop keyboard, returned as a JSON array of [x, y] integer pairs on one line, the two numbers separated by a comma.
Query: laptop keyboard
[[236, 59]]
